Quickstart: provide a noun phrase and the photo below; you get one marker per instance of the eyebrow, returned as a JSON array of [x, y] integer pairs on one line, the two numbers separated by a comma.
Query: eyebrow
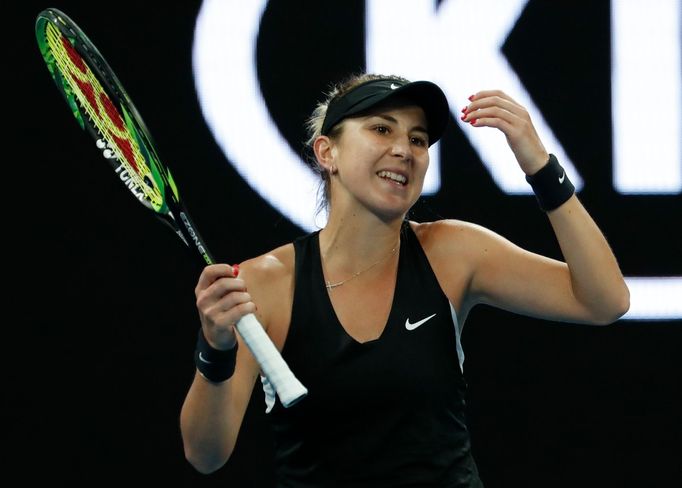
[[395, 121]]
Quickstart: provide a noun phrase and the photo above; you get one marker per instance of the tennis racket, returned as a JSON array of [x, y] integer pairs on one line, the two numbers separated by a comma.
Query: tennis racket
[[103, 109]]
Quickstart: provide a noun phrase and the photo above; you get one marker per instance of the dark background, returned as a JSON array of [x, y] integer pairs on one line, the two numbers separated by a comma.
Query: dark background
[[100, 309]]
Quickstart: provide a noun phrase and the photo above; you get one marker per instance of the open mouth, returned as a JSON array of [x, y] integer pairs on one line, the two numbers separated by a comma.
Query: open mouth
[[396, 178]]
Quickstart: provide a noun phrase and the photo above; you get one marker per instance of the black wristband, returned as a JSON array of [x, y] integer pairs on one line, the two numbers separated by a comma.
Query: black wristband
[[551, 185], [213, 364]]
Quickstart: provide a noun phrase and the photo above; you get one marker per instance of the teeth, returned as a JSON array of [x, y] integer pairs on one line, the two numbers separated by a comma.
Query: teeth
[[393, 176]]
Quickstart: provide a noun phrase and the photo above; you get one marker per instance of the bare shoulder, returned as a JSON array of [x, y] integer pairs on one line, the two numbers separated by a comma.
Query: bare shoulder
[[454, 249], [269, 268], [270, 282], [451, 235]]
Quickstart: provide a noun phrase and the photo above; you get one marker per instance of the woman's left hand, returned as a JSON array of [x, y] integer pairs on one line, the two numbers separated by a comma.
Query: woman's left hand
[[494, 108]]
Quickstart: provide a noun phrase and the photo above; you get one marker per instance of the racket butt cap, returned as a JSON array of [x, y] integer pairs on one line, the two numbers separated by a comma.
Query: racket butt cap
[[292, 398]]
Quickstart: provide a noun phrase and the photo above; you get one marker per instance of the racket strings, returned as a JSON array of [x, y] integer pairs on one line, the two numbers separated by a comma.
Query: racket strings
[[104, 115]]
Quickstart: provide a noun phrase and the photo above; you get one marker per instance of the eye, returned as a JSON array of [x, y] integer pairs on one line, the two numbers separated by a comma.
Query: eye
[[418, 141], [381, 129]]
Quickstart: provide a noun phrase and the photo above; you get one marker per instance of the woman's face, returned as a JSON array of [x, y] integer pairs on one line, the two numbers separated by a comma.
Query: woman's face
[[382, 158]]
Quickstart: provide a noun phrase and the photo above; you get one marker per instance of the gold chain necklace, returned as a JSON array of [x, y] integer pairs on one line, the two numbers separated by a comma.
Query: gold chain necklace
[[329, 285]]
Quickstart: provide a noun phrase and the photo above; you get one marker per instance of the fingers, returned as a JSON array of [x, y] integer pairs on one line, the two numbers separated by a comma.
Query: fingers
[[229, 308], [222, 299], [213, 272], [494, 108], [219, 290], [486, 96], [229, 317]]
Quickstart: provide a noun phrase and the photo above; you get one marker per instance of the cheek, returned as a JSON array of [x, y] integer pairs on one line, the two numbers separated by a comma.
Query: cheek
[[423, 165], [426, 161], [360, 156]]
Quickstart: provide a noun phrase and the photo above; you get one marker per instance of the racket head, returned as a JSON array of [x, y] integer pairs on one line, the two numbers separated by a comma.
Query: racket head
[[102, 108]]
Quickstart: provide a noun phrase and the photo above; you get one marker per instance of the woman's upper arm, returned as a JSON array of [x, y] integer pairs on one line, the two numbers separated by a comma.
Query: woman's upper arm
[[476, 265], [511, 278], [270, 282]]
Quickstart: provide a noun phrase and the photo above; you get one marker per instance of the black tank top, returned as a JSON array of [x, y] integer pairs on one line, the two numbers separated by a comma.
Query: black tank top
[[385, 413]]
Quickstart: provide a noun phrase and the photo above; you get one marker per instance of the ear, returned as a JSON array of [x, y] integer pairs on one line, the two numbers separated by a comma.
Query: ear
[[324, 152]]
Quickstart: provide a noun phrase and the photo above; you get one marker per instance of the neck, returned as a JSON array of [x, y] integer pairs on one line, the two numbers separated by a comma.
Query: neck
[[350, 243]]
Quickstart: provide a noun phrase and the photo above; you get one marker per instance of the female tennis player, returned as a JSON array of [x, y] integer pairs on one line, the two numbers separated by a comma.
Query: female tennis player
[[368, 311]]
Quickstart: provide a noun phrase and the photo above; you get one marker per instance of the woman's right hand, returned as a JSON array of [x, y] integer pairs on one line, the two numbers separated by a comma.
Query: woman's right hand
[[222, 300]]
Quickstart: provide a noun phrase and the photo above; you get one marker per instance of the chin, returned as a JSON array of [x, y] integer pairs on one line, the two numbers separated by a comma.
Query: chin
[[392, 213]]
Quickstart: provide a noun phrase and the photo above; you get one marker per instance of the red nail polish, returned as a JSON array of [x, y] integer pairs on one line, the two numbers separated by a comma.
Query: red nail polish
[[235, 270], [463, 117], [464, 110], [471, 98], [473, 121]]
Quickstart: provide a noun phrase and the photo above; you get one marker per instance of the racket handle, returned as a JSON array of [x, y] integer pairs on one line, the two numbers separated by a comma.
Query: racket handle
[[289, 389]]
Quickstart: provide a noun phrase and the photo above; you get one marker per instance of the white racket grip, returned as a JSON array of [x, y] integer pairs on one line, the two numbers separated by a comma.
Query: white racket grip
[[275, 369]]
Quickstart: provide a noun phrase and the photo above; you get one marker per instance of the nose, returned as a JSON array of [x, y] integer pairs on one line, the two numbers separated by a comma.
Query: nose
[[401, 148]]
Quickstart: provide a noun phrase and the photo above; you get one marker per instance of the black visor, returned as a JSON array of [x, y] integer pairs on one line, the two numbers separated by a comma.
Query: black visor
[[425, 94]]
